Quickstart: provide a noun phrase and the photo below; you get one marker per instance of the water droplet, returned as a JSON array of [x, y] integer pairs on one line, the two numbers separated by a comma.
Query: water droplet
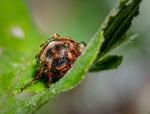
[[17, 32]]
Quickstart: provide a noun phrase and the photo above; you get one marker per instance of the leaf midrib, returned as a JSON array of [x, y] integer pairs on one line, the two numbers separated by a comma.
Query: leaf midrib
[[130, 14]]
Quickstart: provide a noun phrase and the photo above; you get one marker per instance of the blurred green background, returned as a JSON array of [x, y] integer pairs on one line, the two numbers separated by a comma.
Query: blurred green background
[[122, 91]]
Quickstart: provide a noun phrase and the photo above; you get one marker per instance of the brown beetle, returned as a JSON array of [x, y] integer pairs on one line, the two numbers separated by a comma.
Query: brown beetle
[[56, 57]]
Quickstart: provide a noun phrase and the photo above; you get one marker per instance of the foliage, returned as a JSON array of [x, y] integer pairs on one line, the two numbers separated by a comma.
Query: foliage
[[20, 41]]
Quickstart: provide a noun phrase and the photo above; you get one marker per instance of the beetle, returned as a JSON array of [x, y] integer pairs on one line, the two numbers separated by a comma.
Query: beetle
[[57, 55]]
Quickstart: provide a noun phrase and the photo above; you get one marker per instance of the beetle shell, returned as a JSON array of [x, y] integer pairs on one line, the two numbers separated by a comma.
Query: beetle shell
[[57, 56]]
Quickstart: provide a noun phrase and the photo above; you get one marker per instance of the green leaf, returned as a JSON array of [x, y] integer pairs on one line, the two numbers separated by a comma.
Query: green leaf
[[107, 63], [17, 29], [75, 75], [70, 80], [20, 42], [17, 60], [117, 24]]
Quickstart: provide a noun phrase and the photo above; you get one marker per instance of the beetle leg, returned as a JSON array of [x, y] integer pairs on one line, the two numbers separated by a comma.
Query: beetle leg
[[49, 76], [56, 36], [38, 75], [49, 81]]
